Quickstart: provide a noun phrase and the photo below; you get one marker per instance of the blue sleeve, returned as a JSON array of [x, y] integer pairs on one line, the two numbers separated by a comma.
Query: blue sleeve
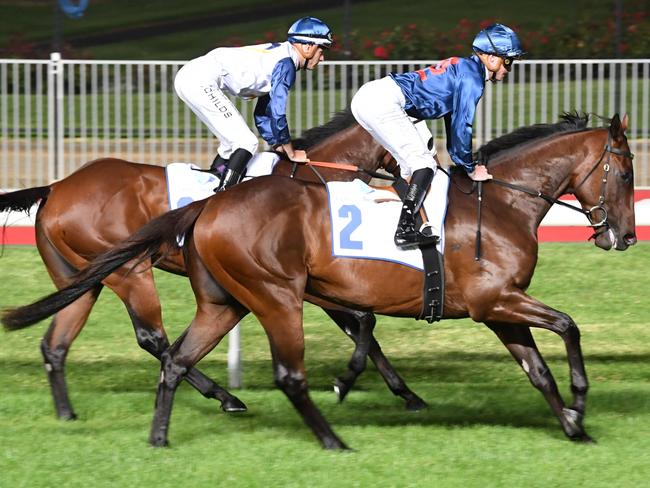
[[263, 121], [459, 124], [271, 110]]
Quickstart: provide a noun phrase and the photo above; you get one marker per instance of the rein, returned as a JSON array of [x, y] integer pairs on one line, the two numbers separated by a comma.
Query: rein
[[342, 166]]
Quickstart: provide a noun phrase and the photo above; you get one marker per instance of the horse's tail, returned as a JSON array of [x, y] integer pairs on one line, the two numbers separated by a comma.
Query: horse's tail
[[143, 244], [23, 200]]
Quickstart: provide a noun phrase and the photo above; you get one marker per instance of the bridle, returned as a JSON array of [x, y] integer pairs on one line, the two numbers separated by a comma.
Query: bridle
[[591, 213], [600, 225]]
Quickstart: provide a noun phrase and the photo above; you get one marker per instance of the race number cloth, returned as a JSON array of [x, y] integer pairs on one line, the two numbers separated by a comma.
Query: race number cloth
[[364, 220], [186, 185]]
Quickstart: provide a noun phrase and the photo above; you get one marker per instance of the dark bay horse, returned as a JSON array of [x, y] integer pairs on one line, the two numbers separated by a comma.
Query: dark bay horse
[[106, 200], [278, 249]]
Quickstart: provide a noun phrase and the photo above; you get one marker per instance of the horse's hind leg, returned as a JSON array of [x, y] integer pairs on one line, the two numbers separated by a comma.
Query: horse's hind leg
[[137, 291], [64, 328], [209, 326], [288, 347], [359, 326]]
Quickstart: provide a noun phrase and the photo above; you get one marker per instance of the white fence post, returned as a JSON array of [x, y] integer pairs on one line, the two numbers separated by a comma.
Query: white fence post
[[234, 358], [55, 126]]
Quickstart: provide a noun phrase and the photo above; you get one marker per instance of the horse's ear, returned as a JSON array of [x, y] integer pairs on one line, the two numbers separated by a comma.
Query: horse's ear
[[625, 123], [615, 127]]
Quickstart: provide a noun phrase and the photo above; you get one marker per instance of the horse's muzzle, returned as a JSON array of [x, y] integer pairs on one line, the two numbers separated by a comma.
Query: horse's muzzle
[[609, 239]]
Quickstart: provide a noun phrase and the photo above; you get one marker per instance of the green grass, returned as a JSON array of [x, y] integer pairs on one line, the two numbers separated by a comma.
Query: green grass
[[486, 426]]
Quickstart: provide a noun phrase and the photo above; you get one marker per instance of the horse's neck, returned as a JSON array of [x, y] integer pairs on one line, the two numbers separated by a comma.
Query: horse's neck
[[352, 146], [547, 167]]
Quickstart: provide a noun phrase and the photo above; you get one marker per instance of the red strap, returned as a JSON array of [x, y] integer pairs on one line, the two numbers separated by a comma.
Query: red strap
[[343, 166]]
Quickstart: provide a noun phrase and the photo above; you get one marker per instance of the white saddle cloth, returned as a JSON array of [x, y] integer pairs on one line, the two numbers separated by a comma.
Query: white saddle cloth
[[364, 220], [186, 185]]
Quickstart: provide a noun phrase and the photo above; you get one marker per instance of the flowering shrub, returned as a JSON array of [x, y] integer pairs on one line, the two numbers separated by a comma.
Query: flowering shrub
[[587, 38], [583, 38]]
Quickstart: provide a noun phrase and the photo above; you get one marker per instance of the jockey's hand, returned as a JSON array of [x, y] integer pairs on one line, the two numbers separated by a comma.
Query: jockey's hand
[[293, 155], [299, 156], [480, 173]]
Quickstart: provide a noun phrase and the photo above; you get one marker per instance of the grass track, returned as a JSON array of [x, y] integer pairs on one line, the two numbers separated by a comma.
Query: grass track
[[486, 426]]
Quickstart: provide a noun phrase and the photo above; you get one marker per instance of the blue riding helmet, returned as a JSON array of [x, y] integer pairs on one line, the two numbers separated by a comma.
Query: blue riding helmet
[[500, 40], [310, 30]]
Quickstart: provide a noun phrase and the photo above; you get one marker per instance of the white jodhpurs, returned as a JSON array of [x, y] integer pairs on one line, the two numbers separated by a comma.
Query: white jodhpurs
[[378, 106], [199, 89]]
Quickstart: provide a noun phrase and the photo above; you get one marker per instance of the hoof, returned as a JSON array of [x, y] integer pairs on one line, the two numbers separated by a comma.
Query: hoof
[[158, 441], [341, 389], [68, 416], [415, 404], [335, 445], [584, 439], [233, 405], [573, 425]]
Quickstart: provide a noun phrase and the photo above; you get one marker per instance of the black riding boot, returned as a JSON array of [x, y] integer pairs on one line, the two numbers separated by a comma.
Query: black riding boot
[[236, 169], [219, 166], [406, 234]]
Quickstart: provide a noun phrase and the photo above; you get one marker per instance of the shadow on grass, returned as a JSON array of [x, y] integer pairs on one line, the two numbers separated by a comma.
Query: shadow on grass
[[462, 390]]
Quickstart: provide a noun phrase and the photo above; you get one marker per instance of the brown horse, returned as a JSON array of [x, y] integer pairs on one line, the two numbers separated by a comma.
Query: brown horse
[[106, 200], [278, 249]]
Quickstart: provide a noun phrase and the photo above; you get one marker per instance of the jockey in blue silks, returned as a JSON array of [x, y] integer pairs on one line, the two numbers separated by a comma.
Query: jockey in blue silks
[[392, 110], [263, 71]]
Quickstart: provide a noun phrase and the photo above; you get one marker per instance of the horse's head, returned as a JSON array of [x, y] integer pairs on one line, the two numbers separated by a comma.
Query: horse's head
[[605, 187]]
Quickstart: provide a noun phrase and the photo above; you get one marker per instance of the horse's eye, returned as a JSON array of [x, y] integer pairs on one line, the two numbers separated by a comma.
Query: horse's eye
[[626, 176]]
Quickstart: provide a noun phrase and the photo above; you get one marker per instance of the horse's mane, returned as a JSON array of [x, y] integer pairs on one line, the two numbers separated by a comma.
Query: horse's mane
[[570, 122], [341, 120]]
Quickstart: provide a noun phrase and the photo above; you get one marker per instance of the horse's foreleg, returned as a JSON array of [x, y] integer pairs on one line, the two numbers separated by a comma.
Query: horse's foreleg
[[137, 291], [515, 308], [359, 327], [394, 381], [63, 330], [519, 341], [209, 326]]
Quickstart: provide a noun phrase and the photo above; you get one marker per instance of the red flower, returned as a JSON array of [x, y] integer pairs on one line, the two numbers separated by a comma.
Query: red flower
[[413, 26], [381, 52], [485, 23], [269, 36]]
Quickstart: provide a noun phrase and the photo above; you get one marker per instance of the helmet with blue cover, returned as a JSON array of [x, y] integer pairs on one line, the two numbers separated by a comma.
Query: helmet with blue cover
[[310, 30], [499, 40]]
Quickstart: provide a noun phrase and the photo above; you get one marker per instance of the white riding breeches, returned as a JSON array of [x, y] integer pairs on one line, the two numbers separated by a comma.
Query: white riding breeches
[[202, 93], [378, 106]]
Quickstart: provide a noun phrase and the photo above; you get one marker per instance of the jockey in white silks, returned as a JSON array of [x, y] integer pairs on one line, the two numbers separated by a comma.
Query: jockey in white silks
[[452, 89], [264, 71]]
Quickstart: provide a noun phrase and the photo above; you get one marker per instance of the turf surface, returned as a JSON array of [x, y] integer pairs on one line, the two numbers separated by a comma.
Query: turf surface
[[485, 426]]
